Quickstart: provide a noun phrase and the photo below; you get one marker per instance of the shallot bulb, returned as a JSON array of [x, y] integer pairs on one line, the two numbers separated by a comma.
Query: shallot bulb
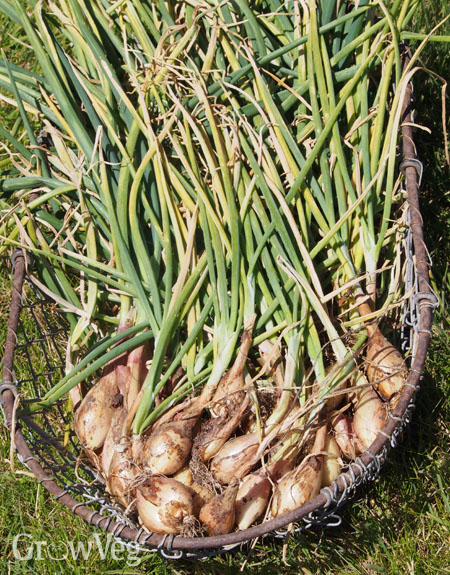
[[233, 381], [386, 369], [235, 459], [331, 462], [167, 449], [298, 486], [217, 430], [112, 440], [121, 477], [369, 417], [93, 417], [218, 515], [164, 505], [345, 436], [228, 406], [302, 483], [252, 499], [200, 494]]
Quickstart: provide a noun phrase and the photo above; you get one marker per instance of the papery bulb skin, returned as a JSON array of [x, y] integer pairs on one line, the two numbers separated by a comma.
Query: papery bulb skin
[[121, 478], [298, 486], [93, 418], [332, 461], [168, 447], [252, 499], [164, 505], [369, 417], [386, 369], [235, 459], [112, 440], [218, 515], [344, 435]]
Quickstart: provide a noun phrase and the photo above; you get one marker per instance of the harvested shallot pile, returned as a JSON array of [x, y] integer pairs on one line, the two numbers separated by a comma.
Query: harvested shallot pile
[[210, 192]]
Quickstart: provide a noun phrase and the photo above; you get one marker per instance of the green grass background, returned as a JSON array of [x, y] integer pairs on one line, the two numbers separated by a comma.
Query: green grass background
[[398, 525]]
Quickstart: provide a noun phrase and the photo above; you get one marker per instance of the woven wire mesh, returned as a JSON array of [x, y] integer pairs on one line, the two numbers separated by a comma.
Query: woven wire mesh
[[39, 363]]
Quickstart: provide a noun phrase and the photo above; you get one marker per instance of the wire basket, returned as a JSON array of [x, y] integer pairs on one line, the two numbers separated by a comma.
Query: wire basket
[[46, 444]]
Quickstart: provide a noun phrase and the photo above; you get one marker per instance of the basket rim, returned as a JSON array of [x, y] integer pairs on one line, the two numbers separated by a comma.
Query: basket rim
[[168, 545]]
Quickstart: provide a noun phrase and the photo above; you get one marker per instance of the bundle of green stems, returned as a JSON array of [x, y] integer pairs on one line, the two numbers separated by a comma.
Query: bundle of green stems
[[210, 192]]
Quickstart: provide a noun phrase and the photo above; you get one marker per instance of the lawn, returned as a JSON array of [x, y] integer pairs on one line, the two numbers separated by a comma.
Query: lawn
[[398, 525]]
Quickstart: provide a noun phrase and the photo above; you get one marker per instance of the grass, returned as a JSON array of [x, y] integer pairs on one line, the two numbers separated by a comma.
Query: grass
[[398, 525]]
